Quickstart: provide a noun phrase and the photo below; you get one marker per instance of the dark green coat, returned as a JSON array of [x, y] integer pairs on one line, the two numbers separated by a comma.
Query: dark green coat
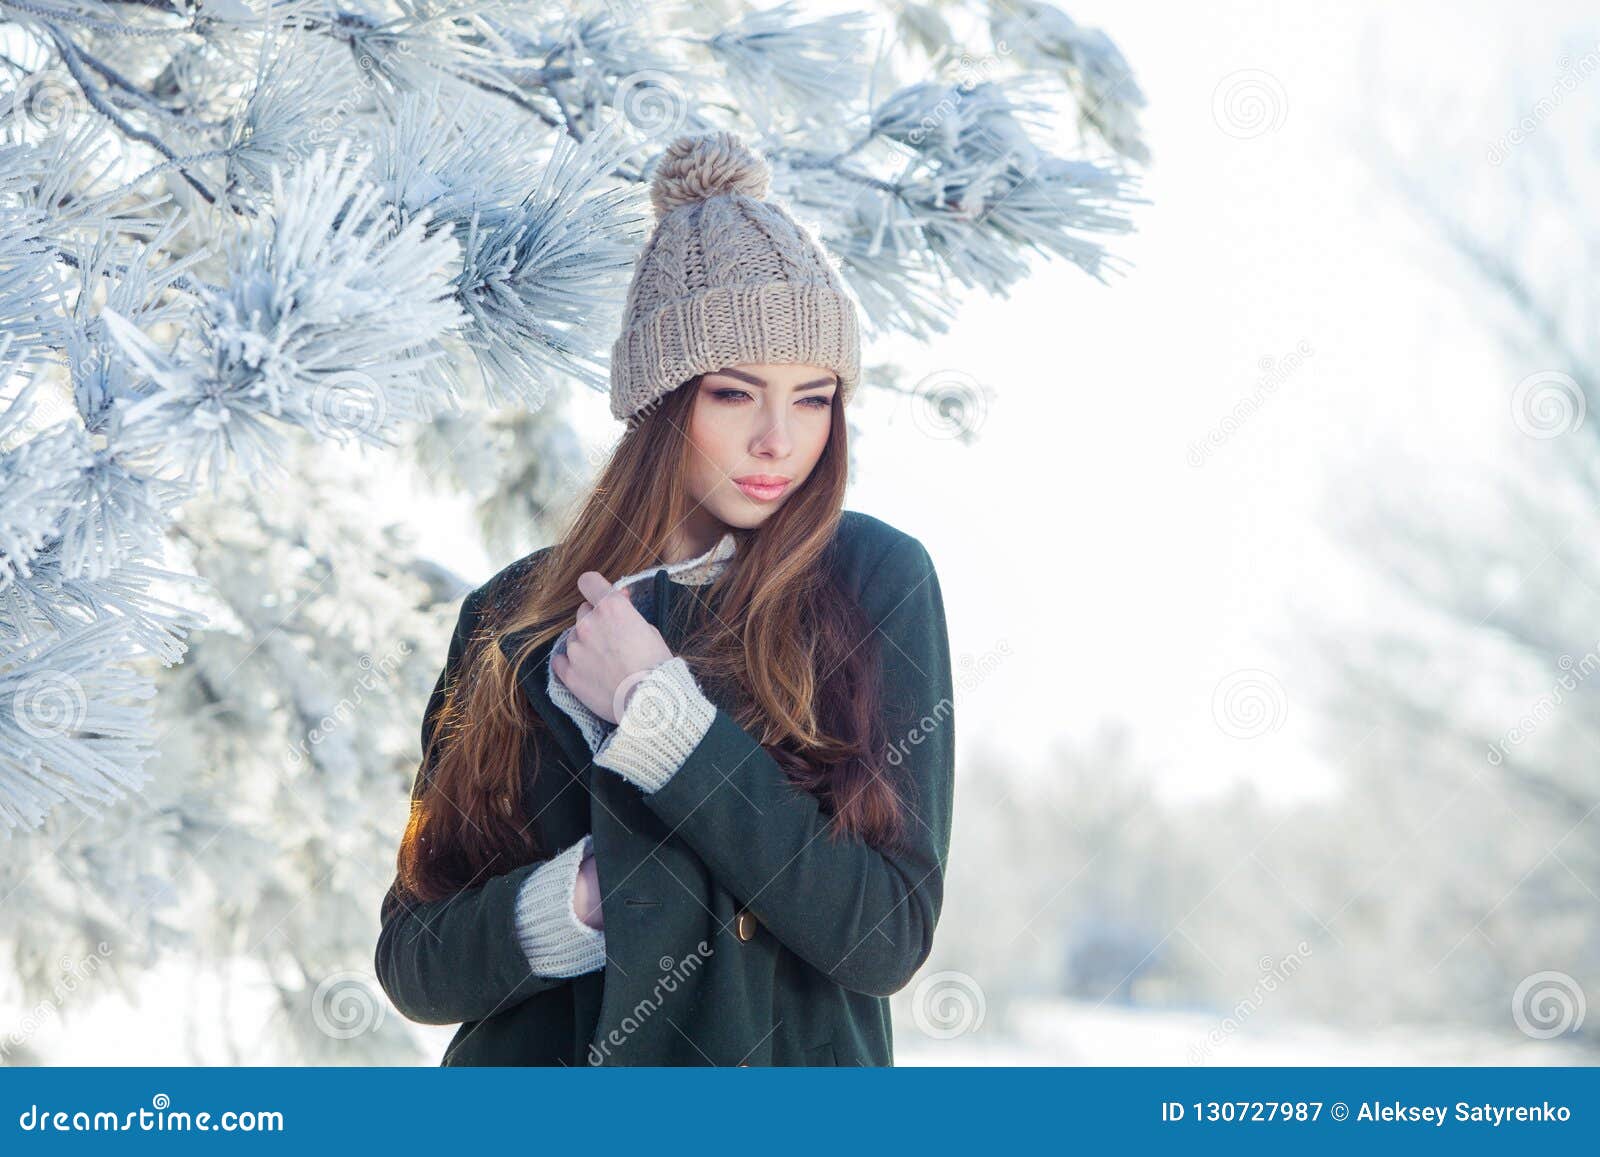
[[738, 932]]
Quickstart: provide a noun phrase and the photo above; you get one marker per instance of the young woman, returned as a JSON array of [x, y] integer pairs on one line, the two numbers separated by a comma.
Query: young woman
[[698, 815]]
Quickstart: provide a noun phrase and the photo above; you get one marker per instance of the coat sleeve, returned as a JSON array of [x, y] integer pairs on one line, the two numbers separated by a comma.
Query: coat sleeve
[[862, 916], [459, 958]]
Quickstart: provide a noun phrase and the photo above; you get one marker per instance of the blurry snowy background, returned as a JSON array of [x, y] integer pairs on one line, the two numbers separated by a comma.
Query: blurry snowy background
[[1263, 551]]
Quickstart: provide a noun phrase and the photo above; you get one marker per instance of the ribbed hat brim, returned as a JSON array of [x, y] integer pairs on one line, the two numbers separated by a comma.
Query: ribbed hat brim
[[777, 321]]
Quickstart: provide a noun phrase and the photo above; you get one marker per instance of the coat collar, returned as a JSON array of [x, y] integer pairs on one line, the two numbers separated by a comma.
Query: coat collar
[[534, 673]]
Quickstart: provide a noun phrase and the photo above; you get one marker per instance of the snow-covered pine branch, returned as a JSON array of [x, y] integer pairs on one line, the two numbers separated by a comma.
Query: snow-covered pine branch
[[349, 220], [240, 240]]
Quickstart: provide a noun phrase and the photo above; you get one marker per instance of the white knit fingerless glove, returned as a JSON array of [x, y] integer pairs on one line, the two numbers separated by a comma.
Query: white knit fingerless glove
[[666, 718], [554, 940]]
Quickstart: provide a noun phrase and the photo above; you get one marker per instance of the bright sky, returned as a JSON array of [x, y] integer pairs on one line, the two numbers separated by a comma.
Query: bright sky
[[1103, 574]]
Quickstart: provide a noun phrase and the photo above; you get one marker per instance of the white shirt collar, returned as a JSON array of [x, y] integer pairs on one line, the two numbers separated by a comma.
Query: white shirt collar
[[696, 571]]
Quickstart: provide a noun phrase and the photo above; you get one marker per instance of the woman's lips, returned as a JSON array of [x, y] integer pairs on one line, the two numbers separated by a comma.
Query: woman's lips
[[761, 491]]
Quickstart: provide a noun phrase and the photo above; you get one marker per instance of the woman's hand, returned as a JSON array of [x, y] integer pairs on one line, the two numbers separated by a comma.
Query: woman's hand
[[586, 894], [609, 642]]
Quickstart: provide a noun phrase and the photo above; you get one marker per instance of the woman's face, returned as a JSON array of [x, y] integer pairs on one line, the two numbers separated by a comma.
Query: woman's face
[[756, 431]]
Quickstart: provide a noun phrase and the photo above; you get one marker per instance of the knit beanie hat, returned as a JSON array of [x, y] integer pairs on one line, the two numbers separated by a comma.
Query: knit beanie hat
[[726, 277]]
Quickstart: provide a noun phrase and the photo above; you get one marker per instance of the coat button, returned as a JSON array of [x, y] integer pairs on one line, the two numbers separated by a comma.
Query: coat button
[[744, 924]]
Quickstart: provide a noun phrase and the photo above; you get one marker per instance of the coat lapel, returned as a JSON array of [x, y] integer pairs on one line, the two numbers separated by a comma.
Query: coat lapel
[[628, 840], [533, 676]]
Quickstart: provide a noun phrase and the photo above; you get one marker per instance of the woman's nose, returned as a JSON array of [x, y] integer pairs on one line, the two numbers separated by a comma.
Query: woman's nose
[[774, 438]]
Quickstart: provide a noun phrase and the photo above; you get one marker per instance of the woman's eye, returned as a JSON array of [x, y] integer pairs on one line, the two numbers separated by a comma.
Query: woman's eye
[[729, 394]]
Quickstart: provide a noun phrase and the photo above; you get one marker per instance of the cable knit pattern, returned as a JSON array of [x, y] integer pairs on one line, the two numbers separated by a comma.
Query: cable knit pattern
[[551, 933], [727, 277], [665, 719], [555, 940]]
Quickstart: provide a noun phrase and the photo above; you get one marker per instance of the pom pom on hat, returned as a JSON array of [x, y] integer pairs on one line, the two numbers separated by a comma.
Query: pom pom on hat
[[696, 167]]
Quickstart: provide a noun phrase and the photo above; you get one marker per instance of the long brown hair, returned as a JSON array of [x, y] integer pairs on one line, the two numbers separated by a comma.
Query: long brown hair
[[790, 653]]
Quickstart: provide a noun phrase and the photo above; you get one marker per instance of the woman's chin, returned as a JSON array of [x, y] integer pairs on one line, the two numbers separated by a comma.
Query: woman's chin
[[736, 510]]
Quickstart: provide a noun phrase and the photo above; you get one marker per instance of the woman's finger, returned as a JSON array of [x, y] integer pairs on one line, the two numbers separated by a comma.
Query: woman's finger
[[592, 585]]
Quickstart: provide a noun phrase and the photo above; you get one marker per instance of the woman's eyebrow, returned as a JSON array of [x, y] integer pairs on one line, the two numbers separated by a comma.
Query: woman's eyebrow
[[831, 379]]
